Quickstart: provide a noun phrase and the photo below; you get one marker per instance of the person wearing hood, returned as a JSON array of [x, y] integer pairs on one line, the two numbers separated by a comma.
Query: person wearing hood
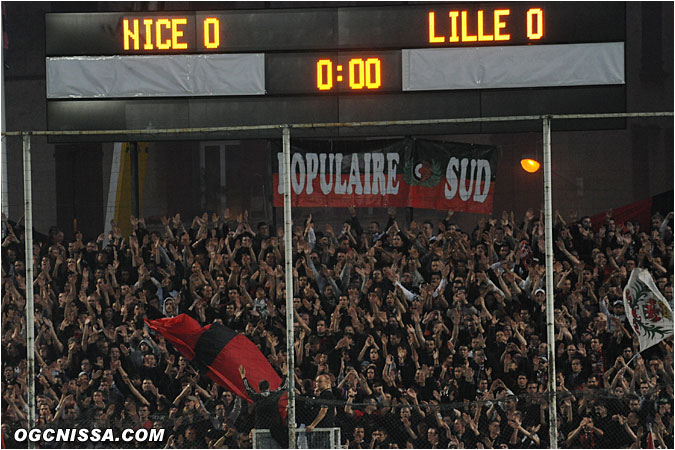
[[144, 347]]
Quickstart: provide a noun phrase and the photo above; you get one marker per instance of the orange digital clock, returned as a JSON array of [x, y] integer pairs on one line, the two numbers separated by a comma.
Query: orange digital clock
[[360, 74]]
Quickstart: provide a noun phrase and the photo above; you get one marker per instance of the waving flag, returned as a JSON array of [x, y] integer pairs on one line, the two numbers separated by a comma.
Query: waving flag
[[219, 349], [647, 310]]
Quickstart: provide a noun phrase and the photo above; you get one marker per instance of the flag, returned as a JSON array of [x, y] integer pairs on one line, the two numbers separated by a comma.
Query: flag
[[219, 349], [650, 436], [647, 310]]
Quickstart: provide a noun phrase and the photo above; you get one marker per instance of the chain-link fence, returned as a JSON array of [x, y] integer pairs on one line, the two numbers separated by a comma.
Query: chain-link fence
[[586, 419]]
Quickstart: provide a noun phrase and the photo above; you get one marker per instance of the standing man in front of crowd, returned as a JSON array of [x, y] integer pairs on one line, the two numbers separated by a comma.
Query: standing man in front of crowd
[[325, 417]]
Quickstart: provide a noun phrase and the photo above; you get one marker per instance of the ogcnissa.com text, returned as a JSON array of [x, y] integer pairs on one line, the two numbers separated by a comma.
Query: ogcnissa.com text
[[89, 435]]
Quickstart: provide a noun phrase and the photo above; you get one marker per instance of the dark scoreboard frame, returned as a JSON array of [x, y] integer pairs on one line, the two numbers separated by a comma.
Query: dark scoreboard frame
[[294, 39]]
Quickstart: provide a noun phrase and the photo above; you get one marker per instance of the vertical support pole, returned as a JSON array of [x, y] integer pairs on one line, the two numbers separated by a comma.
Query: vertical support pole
[[550, 327], [115, 177], [222, 197], [135, 197], [270, 176], [288, 268], [5, 183], [202, 176], [30, 308]]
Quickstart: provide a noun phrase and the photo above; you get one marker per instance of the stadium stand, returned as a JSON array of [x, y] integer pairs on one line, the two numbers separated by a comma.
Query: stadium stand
[[428, 336]]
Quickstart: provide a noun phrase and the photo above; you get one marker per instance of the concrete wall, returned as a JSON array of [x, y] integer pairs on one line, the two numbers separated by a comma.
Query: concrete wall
[[25, 109]]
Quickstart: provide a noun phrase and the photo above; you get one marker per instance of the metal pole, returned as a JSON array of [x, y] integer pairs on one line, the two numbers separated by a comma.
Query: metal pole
[[135, 197], [288, 251], [211, 130], [270, 171], [550, 327], [30, 308], [5, 183]]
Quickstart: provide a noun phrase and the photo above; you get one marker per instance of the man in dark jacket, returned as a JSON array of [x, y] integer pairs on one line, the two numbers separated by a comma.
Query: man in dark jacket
[[267, 407], [325, 417]]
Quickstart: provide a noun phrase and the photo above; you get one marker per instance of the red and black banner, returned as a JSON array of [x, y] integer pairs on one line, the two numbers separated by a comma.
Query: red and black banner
[[414, 173], [640, 211], [219, 349]]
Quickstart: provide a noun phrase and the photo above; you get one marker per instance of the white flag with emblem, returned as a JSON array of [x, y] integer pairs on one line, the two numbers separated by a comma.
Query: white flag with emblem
[[647, 310]]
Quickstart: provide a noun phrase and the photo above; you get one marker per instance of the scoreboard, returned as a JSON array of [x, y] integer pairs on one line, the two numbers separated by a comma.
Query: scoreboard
[[153, 70]]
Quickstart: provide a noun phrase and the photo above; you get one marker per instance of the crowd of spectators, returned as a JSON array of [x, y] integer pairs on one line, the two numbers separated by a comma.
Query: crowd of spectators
[[418, 335]]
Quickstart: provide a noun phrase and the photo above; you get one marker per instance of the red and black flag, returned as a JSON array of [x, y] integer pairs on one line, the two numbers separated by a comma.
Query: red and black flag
[[220, 350]]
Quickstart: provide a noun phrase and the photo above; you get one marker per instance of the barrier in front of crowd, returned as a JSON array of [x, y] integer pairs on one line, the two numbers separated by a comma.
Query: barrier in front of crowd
[[391, 424], [316, 438]]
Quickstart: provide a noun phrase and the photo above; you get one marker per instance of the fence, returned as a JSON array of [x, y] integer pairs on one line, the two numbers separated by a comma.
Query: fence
[[322, 437], [587, 419], [193, 429]]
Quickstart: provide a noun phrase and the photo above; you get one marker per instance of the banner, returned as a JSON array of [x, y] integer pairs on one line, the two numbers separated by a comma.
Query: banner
[[414, 173], [640, 211], [647, 310]]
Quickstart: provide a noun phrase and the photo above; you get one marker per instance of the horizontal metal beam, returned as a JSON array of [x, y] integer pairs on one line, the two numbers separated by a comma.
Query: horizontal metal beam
[[345, 124]]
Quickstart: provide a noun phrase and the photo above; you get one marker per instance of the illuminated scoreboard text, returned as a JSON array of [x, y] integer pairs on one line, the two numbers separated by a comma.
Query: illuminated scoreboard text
[[333, 63], [150, 34], [193, 33], [482, 26], [205, 33], [361, 74]]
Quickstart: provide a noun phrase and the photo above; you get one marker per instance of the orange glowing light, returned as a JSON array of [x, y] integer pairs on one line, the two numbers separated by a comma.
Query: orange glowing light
[[454, 37], [535, 14], [432, 29], [530, 165], [482, 26], [499, 24], [166, 33], [166, 43], [361, 74], [366, 73], [324, 70], [130, 34], [466, 37], [481, 34], [177, 33], [357, 74], [211, 32], [148, 32], [373, 73]]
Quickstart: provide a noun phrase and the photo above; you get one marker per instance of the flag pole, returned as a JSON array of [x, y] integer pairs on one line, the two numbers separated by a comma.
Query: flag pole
[[631, 360], [288, 269], [550, 325]]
